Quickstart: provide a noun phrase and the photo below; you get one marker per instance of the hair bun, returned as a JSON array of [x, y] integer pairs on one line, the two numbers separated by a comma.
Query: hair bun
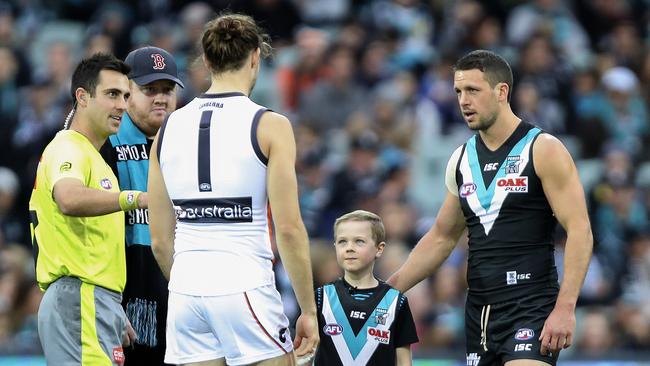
[[229, 29]]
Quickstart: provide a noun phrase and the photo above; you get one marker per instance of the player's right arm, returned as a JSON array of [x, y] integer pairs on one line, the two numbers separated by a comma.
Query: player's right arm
[[67, 169], [436, 245], [162, 220], [276, 140]]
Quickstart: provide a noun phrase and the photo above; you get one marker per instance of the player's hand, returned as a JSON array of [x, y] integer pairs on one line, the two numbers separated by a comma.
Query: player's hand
[[129, 336], [306, 335], [143, 200], [557, 333]]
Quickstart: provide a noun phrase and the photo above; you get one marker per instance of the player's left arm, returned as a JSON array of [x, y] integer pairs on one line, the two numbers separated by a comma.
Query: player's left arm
[[162, 221], [559, 176], [404, 357]]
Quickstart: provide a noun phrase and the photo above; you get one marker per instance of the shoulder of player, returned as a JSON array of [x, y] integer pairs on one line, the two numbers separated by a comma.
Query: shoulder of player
[[548, 147], [550, 155], [64, 143], [274, 118], [274, 124]]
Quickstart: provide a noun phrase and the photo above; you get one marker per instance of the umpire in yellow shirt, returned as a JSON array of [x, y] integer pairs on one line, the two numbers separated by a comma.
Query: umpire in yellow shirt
[[77, 225]]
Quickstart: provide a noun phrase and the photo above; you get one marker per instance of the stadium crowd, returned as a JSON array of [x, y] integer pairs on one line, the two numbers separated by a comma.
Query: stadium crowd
[[368, 84]]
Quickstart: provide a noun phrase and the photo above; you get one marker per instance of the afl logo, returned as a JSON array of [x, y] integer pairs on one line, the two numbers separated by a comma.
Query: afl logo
[[524, 334], [106, 183], [332, 329], [467, 189], [158, 61]]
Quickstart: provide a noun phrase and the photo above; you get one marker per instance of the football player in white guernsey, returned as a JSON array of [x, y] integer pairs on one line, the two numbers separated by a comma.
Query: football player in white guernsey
[[508, 185], [218, 167]]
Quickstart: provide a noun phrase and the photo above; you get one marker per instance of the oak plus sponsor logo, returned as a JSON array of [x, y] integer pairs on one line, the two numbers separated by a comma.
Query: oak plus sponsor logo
[[466, 189], [380, 335], [332, 329], [513, 185], [216, 210]]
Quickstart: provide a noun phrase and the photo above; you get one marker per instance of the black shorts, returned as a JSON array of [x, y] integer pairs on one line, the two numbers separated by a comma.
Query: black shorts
[[501, 332]]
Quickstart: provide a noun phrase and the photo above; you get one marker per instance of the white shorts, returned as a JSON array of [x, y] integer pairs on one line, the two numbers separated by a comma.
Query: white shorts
[[244, 328]]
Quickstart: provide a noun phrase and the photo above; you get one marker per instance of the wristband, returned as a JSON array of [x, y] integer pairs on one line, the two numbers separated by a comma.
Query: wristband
[[129, 200]]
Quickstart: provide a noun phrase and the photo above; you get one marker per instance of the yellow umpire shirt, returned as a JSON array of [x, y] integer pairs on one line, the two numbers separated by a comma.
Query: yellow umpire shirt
[[90, 248]]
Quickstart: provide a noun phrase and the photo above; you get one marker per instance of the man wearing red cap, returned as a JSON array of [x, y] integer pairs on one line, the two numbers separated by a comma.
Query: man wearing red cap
[[152, 81]]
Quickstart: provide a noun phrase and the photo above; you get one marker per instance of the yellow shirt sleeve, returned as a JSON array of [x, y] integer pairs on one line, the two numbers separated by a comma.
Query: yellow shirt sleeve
[[65, 159]]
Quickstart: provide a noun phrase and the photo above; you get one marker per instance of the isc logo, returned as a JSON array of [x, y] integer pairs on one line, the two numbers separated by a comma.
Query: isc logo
[[357, 314], [332, 329], [490, 167], [523, 347]]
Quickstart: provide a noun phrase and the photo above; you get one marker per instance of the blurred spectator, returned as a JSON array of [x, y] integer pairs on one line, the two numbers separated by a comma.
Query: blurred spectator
[[97, 43], [357, 183], [330, 103], [323, 258], [544, 113], [304, 67], [550, 17], [619, 215], [19, 299], [595, 335], [460, 21], [446, 318], [413, 24], [624, 44], [12, 229], [541, 68], [620, 109], [9, 99], [585, 95]]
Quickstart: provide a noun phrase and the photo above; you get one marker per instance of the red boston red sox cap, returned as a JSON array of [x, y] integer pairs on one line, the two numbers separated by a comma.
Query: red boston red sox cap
[[149, 64]]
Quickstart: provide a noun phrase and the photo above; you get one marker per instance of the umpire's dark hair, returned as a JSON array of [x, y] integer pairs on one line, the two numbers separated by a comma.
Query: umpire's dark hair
[[86, 74], [228, 40], [495, 68]]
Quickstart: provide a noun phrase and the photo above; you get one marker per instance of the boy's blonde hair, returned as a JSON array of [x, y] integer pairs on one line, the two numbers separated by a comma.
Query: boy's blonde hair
[[377, 229]]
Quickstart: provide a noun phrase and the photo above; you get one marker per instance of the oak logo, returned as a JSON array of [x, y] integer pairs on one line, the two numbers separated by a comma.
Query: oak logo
[[513, 185], [380, 335]]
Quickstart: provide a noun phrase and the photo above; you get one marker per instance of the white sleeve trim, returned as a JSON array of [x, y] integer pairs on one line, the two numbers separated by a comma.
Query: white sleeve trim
[[450, 174]]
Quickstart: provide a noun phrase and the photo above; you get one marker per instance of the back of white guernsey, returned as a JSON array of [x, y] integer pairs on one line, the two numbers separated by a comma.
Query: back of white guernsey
[[215, 174]]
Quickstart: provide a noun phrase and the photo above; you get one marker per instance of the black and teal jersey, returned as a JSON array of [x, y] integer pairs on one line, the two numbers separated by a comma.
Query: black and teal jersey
[[510, 222], [361, 327]]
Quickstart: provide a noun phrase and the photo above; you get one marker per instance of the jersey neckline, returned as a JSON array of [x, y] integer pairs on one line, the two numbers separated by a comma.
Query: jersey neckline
[[222, 95]]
